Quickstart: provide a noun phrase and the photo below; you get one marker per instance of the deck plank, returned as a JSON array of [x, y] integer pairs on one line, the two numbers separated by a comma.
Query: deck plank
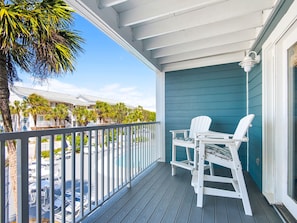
[[159, 197]]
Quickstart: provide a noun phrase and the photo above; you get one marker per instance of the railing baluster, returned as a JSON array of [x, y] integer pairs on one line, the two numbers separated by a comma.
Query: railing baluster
[[52, 176], [128, 149], [82, 175], [133, 161], [138, 150], [89, 172], [73, 167], [117, 159], [96, 167], [122, 156], [102, 167], [38, 178], [108, 162], [63, 178], [22, 181], [112, 160]]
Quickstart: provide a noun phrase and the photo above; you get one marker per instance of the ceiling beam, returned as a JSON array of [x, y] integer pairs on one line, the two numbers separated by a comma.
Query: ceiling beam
[[220, 50], [237, 37], [203, 32], [204, 16], [159, 9], [209, 61], [109, 3]]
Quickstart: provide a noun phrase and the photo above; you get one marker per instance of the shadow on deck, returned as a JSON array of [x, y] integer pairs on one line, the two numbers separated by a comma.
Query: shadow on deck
[[159, 197]]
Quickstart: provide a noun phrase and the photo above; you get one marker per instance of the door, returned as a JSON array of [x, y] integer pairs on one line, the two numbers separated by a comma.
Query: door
[[286, 105], [279, 88]]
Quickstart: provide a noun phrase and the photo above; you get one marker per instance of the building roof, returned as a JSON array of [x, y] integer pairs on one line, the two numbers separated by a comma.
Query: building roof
[[24, 92], [79, 100], [92, 99]]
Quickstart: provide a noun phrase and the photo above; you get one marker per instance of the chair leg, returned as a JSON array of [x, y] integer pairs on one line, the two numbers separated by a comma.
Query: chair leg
[[189, 159], [173, 168], [195, 160], [200, 175], [243, 191], [211, 171]]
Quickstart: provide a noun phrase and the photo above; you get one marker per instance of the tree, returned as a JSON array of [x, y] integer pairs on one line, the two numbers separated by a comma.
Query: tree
[[58, 113], [149, 116], [136, 115], [35, 37], [120, 111], [16, 109], [103, 110], [84, 116], [37, 105]]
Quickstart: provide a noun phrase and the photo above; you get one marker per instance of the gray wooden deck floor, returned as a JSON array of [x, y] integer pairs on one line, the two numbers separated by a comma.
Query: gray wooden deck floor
[[159, 197]]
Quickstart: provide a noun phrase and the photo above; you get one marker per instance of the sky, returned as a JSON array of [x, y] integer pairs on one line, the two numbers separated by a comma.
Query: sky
[[104, 69]]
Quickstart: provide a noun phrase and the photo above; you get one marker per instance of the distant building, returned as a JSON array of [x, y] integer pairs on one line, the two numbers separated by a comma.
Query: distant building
[[71, 101]]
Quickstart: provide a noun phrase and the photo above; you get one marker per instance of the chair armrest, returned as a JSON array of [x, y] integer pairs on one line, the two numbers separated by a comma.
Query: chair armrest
[[213, 135], [220, 141], [180, 131]]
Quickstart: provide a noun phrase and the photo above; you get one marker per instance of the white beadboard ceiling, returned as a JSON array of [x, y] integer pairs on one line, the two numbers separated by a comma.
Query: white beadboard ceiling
[[170, 35]]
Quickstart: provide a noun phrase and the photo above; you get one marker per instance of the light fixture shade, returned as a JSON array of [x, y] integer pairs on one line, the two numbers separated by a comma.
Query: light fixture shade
[[249, 62]]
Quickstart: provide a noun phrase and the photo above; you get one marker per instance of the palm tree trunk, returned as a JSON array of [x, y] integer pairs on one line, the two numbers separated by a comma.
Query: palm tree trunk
[[19, 122], [7, 122]]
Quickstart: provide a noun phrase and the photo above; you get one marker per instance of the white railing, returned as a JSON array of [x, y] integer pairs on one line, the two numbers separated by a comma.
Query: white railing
[[65, 174]]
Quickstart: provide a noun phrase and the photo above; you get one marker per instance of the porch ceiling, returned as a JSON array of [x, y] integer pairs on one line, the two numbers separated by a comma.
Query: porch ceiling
[[171, 35]]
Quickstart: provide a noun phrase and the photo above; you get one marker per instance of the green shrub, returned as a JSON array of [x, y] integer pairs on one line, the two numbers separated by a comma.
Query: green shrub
[[44, 140], [58, 137], [58, 150], [45, 154], [77, 142]]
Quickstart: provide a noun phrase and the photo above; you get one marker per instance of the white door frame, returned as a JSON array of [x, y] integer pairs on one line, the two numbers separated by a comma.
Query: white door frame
[[275, 110]]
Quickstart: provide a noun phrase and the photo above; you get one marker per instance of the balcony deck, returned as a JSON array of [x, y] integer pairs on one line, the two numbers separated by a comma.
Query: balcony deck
[[159, 197]]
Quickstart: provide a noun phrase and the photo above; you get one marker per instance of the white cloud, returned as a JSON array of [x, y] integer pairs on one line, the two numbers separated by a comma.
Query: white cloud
[[115, 92]]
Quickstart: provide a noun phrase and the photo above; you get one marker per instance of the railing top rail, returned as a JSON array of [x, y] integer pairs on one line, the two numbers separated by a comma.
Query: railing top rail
[[36, 133]]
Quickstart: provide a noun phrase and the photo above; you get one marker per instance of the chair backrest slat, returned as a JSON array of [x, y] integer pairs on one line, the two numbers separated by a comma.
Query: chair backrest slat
[[242, 128], [199, 124]]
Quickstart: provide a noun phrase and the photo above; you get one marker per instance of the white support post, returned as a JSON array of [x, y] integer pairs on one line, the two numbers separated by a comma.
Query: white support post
[[160, 113]]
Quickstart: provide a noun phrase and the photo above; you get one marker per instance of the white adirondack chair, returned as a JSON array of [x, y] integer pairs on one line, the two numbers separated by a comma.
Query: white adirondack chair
[[185, 138], [225, 155]]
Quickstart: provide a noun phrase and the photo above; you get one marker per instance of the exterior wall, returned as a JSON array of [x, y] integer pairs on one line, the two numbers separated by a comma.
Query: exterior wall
[[255, 98], [255, 132], [216, 91]]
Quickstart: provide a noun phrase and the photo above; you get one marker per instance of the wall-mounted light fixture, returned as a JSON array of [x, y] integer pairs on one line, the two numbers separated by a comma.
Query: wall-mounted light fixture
[[249, 61]]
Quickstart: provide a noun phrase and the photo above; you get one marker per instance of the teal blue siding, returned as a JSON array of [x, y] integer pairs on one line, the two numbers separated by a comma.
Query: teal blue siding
[[255, 133], [217, 91]]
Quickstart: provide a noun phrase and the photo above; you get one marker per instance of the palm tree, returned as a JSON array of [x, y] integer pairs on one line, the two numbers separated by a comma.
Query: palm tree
[[37, 105], [138, 114], [58, 113], [35, 37], [103, 110], [84, 116], [16, 109], [120, 112]]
